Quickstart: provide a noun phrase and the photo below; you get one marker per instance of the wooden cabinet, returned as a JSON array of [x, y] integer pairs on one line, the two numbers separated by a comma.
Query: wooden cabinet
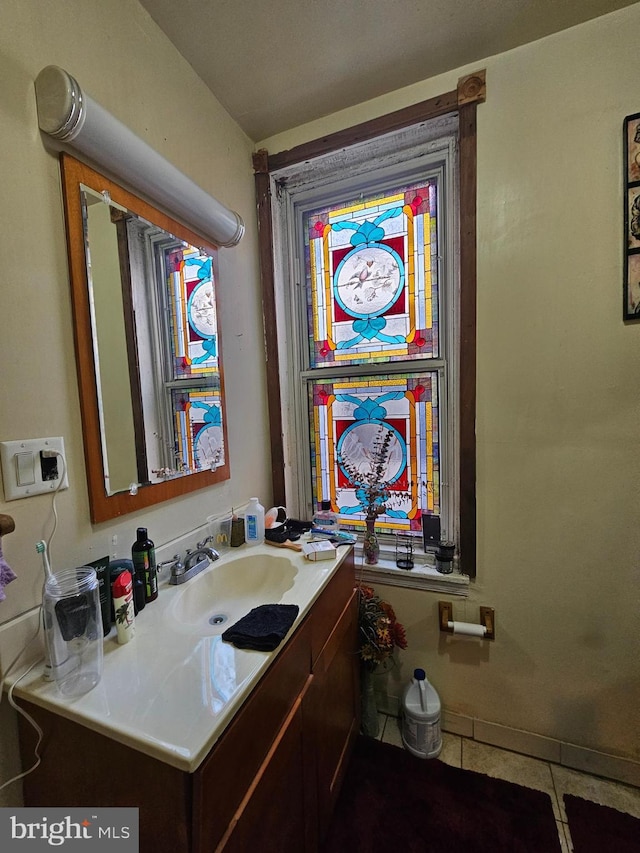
[[272, 778], [331, 712]]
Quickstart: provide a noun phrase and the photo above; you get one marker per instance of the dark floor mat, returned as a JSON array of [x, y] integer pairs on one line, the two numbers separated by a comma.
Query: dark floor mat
[[600, 829], [392, 801]]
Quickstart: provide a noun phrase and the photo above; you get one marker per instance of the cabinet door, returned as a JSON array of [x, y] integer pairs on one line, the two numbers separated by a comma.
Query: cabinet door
[[331, 710], [233, 765], [83, 769], [271, 818]]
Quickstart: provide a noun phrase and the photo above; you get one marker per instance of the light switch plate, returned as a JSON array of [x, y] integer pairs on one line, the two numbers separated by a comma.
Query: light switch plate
[[11, 454]]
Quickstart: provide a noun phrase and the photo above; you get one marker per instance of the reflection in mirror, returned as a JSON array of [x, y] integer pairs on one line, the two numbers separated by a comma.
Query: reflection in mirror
[[144, 293]]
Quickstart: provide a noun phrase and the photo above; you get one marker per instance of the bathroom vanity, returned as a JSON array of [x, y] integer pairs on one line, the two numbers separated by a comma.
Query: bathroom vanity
[[253, 761]]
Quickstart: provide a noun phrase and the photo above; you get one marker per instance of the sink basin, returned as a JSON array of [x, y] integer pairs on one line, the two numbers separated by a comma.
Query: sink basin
[[213, 601]]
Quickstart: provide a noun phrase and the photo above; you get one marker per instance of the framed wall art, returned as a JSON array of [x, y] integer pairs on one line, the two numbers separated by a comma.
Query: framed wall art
[[631, 296]]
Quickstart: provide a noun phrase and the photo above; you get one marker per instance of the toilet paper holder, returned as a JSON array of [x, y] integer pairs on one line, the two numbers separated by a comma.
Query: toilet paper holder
[[485, 630]]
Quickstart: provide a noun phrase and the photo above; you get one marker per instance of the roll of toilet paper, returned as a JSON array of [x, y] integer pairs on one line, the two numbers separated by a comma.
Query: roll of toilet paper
[[468, 629]]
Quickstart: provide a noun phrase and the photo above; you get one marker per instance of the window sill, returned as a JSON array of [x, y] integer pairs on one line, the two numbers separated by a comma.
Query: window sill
[[423, 575]]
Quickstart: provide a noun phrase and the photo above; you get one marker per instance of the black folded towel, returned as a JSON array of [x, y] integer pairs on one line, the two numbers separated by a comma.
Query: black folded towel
[[263, 628]]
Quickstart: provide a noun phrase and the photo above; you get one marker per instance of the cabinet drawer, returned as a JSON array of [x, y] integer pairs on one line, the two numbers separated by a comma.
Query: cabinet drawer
[[344, 635], [226, 774], [329, 606]]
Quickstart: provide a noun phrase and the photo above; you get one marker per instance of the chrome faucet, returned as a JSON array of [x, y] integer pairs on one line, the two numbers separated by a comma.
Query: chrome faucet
[[194, 563], [194, 557]]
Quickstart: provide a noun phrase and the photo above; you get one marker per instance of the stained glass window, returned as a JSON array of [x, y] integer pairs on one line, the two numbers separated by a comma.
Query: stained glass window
[[372, 285], [372, 278], [194, 384], [385, 427], [198, 427], [192, 301]]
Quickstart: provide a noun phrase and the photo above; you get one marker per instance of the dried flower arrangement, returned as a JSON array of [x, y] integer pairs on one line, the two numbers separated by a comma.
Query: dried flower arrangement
[[373, 491], [379, 630]]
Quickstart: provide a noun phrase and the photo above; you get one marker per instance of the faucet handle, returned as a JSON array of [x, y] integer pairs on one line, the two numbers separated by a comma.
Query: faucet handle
[[204, 542], [175, 565]]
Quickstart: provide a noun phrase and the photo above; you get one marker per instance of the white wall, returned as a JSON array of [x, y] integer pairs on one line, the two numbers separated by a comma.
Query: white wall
[[124, 62], [558, 399]]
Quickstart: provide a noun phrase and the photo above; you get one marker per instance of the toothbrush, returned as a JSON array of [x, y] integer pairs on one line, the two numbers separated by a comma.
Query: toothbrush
[[41, 548]]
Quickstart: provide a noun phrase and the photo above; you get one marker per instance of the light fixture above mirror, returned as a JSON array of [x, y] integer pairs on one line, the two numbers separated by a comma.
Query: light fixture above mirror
[[68, 114]]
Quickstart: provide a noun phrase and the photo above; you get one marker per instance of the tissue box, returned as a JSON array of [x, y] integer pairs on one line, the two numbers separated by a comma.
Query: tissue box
[[319, 551]]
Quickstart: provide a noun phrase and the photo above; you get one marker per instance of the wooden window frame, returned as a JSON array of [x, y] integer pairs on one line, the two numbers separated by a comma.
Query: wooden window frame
[[471, 91]]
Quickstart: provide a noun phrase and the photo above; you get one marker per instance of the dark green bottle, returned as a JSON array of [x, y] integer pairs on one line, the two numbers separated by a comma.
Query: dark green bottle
[[143, 554]]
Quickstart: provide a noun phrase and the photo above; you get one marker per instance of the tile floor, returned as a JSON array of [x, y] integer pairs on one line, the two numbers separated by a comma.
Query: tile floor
[[531, 772]]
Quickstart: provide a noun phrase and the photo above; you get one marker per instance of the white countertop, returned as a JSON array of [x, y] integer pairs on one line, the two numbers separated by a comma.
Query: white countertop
[[171, 691]]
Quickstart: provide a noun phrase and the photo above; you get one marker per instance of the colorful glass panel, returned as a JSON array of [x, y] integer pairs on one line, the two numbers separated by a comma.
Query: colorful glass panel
[[198, 429], [372, 278], [352, 419], [193, 317]]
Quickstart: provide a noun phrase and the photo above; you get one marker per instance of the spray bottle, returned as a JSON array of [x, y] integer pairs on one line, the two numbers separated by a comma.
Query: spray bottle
[[122, 592]]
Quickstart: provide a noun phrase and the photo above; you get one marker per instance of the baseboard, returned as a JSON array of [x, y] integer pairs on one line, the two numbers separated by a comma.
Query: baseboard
[[528, 743], [547, 749]]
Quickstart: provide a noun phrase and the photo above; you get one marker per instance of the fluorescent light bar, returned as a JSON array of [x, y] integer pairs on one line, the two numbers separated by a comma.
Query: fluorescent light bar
[[67, 113]]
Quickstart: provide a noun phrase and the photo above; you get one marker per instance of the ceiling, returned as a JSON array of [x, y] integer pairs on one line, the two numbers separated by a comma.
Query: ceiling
[[276, 64]]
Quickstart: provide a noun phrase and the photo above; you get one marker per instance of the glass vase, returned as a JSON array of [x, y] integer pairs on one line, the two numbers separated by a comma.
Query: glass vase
[[369, 724], [371, 546]]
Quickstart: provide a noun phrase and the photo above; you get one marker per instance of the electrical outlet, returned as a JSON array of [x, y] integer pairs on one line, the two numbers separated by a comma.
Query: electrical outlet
[[32, 466]]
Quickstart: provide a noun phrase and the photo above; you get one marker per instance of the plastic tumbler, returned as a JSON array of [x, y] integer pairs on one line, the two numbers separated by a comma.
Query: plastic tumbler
[[73, 629]]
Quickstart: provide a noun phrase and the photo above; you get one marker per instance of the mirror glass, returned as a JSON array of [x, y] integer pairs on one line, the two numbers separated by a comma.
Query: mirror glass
[[147, 347]]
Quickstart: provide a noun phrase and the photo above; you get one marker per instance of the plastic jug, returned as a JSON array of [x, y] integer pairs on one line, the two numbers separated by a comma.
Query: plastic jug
[[254, 522], [421, 717]]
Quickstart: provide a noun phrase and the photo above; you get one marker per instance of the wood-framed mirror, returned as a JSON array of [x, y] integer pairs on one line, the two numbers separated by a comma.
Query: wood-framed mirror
[[147, 343]]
